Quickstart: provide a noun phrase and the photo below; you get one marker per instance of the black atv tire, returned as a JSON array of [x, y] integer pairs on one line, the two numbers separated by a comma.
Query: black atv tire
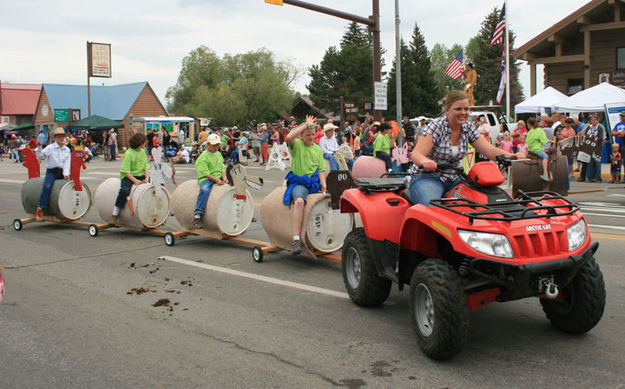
[[438, 309], [582, 303], [362, 282]]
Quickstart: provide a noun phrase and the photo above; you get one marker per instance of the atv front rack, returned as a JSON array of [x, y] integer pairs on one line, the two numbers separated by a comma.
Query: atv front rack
[[524, 206]]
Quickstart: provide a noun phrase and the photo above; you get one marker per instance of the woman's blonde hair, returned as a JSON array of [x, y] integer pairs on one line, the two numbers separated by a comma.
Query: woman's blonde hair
[[453, 96]]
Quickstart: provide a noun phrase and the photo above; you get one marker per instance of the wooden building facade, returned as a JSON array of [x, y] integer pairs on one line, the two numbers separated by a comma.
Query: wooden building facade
[[121, 103], [582, 50]]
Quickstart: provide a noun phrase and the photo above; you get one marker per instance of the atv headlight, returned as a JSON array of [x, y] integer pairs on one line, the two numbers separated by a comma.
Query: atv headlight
[[577, 235], [496, 245]]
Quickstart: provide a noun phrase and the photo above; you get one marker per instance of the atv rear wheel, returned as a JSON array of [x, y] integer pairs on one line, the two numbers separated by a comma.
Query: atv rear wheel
[[438, 309], [581, 304], [360, 276]]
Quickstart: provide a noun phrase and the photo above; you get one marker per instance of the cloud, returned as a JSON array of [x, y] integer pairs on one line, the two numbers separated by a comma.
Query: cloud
[[44, 41]]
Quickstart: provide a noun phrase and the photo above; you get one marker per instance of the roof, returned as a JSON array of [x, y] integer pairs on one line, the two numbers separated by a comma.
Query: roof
[[18, 99], [112, 101], [567, 26], [95, 122]]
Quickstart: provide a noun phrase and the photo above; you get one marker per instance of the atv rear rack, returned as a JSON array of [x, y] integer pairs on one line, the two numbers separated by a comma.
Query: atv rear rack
[[523, 207]]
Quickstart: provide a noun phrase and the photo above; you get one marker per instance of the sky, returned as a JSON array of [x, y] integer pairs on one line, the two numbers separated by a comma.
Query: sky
[[44, 41]]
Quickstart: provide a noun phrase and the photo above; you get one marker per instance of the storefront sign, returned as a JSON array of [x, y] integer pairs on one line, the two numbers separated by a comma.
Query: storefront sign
[[99, 59], [61, 115]]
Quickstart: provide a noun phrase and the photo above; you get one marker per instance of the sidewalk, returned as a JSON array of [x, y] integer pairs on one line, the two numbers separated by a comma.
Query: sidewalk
[[605, 172]]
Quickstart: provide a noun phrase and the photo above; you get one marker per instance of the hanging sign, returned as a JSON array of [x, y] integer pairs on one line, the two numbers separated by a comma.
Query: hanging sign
[[99, 59]]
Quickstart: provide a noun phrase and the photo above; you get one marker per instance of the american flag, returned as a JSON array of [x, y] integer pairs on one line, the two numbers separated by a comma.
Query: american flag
[[500, 28], [503, 82], [455, 68]]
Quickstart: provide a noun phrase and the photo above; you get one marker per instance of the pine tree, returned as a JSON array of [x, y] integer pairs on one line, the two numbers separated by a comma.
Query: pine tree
[[441, 58], [420, 93], [345, 71], [487, 62]]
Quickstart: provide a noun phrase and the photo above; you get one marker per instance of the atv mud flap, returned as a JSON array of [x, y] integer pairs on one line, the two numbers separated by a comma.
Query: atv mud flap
[[386, 257], [519, 283]]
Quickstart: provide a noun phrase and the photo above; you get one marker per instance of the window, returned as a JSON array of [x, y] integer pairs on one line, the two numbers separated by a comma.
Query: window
[[620, 58], [575, 85]]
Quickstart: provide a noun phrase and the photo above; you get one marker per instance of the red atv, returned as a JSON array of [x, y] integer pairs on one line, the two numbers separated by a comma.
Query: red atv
[[473, 247]]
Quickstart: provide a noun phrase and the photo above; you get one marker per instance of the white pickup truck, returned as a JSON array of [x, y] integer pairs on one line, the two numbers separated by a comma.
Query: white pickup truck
[[492, 120]]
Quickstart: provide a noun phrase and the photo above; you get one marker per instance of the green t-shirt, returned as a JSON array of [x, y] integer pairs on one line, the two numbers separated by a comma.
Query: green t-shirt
[[134, 162], [536, 139], [306, 159], [209, 164], [382, 143]]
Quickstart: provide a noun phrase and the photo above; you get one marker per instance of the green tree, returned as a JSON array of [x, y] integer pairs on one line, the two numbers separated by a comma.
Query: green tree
[[345, 71], [441, 58], [236, 89], [487, 62], [420, 93]]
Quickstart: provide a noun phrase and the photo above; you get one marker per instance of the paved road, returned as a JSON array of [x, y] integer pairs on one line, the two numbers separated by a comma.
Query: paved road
[[79, 312]]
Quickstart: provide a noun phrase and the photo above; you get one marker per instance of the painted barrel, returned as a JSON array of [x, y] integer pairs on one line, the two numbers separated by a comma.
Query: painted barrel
[[323, 229], [225, 213], [150, 207], [368, 167], [526, 176], [65, 202]]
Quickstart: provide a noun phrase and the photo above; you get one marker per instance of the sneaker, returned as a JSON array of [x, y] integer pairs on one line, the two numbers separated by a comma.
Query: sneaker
[[579, 179], [38, 215], [297, 247], [197, 223], [113, 219], [546, 179]]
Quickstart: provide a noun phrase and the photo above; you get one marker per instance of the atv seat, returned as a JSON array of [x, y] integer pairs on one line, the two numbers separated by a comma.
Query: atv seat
[[388, 184]]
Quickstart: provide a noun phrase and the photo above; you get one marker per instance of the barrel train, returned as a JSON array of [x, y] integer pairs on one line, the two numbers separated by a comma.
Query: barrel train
[[229, 210]]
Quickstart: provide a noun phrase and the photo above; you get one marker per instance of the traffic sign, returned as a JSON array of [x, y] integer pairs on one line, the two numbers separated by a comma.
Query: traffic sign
[[379, 96]]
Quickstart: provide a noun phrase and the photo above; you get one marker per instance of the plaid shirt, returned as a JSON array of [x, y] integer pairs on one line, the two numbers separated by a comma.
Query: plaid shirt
[[441, 136]]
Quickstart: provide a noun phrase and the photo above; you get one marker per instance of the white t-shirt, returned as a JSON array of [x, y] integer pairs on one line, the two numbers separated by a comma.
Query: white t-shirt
[[185, 155]]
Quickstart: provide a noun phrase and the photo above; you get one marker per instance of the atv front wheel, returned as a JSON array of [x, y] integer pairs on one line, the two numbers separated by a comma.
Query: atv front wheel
[[581, 302], [438, 309], [360, 276]]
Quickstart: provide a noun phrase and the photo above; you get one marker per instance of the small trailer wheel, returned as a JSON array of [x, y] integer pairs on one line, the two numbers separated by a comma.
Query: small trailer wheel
[[17, 224], [93, 230], [170, 240], [257, 254]]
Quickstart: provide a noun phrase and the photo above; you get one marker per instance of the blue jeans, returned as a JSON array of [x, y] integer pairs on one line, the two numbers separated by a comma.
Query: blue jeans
[[334, 165], [124, 191], [426, 187], [299, 192], [386, 157], [594, 170], [51, 176], [202, 197]]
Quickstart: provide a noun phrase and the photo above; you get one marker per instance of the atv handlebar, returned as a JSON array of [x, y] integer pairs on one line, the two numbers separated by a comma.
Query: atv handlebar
[[501, 160]]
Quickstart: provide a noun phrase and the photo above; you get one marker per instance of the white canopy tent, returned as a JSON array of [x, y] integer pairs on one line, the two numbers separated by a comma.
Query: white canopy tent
[[592, 99], [543, 99]]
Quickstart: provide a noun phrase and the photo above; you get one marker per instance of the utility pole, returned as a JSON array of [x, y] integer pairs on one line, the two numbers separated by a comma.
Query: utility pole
[[400, 139], [372, 22]]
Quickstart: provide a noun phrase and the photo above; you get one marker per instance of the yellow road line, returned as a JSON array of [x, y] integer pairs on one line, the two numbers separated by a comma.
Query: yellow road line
[[599, 235]]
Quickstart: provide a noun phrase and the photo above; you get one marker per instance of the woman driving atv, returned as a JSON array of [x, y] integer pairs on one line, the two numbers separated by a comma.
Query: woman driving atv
[[446, 139]]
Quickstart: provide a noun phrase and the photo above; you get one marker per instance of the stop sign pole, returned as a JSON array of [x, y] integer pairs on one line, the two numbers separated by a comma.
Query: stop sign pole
[[372, 22]]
